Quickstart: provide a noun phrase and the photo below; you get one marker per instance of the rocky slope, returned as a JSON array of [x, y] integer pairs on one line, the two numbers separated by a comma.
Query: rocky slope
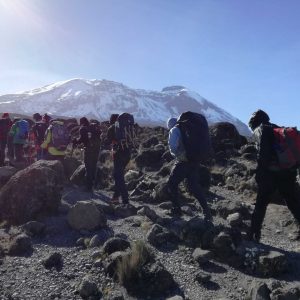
[[100, 98], [82, 250]]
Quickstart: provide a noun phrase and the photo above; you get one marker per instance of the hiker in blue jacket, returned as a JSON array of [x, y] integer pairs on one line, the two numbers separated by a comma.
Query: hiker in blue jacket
[[183, 169]]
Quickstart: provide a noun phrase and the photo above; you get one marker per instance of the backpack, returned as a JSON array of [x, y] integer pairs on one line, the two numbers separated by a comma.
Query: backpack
[[125, 130], [4, 128], [60, 135], [287, 146], [39, 130], [195, 136], [23, 129]]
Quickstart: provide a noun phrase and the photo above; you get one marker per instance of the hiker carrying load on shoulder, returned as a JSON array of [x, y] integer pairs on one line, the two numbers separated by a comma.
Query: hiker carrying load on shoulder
[[56, 141], [89, 137], [19, 133], [189, 143], [38, 130], [278, 156], [120, 136], [5, 125]]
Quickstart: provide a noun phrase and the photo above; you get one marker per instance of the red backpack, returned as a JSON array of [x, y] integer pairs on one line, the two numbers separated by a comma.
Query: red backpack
[[287, 146]]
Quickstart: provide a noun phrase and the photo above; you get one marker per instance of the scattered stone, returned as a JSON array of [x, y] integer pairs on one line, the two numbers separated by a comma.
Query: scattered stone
[[223, 245], [6, 173], [203, 277], [159, 236], [114, 245], [202, 256], [235, 219], [259, 291], [54, 260], [20, 245], [290, 292], [85, 215], [88, 288], [272, 264], [125, 211], [34, 228], [175, 298], [148, 212]]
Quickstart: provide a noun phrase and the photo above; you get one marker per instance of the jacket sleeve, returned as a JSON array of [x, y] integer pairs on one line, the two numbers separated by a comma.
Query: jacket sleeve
[[175, 142], [83, 136]]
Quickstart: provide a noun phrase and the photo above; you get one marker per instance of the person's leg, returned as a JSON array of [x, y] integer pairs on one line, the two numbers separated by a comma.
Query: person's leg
[[266, 186], [196, 190], [177, 175], [287, 188], [2, 152], [18, 152]]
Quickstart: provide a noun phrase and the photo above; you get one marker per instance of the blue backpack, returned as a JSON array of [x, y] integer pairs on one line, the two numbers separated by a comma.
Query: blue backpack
[[195, 136], [23, 129]]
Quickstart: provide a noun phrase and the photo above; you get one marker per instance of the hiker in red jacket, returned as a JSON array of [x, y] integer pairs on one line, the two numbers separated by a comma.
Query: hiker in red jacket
[[269, 176], [5, 125]]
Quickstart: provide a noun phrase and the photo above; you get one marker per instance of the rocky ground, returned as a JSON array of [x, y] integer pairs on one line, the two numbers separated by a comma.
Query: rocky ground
[[89, 249]]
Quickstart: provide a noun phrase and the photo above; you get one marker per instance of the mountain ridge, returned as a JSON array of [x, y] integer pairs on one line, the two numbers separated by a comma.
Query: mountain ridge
[[99, 98]]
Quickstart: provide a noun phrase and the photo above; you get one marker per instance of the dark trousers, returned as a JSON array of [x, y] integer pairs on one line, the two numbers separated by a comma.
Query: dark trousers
[[191, 172], [90, 162], [19, 152], [269, 182], [2, 151], [121, 159]]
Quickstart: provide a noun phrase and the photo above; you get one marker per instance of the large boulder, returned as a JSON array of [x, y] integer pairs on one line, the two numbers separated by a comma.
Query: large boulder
[[224, 136], [6, 173], [32, 191], [85, 215], [149, 158]]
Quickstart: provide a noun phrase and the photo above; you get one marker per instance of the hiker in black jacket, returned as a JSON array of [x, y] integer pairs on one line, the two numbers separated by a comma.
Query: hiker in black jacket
[[269, 176], [89, 137], [121, 157]]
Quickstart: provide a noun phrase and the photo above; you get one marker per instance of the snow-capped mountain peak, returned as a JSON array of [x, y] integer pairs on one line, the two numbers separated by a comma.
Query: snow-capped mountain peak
[[100, 98]]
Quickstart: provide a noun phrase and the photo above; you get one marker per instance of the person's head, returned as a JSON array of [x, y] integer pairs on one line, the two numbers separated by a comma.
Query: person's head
[[46, 118], [257, 118], [171, 123], [5, 115], [16, 119], [84, 121], [37, 117], [113, 119]]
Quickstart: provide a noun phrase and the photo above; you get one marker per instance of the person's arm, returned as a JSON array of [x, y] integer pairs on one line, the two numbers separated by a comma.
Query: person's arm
[[12, 130], [83, 136], [174, 141]]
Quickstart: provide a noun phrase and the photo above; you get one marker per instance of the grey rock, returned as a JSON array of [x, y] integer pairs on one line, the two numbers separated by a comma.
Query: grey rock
[[159, 236], [114, 245], [125, 211], [272, 264], [202, 256], [235, 219], [259, 291], [35, 190], [85, 215], [203, 277], [34, 228], [20, 245], [88, 288], [290, 292], [54, 260]]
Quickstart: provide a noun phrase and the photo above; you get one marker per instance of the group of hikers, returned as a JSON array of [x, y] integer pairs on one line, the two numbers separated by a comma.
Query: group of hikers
[[278, 154]]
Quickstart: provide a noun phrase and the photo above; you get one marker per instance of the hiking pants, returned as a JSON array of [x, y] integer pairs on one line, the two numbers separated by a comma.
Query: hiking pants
[[191, 172], [19, 152], [121, 159], [2, 151], [268, 182], [90, 162]]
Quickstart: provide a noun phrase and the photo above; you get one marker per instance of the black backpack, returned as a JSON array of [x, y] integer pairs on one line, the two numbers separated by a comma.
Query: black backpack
[[39, 130], [125, 130], [195, 136]]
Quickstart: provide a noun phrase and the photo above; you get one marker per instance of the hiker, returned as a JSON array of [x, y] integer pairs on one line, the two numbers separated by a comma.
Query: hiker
[[121, 152], [38, 130], [188, 155], [19, 133], [269, 176], [89, 136], [5, 125], [57, 138]]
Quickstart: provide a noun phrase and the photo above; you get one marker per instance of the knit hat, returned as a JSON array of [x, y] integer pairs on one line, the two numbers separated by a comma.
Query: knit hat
[[171, 123], [259, 117]]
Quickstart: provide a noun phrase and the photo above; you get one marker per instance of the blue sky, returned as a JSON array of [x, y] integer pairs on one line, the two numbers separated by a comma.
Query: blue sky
[[241, 55]]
